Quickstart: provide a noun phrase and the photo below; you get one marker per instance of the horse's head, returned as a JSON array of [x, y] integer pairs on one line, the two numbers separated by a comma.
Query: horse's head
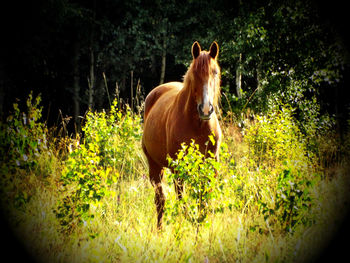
[[206, 79]]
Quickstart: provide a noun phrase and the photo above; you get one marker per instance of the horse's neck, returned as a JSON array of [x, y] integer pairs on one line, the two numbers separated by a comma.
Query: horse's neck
[[186, 100]]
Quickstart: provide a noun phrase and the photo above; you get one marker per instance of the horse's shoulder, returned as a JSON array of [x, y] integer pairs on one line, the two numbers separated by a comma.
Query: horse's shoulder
[[157, 92], [162, 89]]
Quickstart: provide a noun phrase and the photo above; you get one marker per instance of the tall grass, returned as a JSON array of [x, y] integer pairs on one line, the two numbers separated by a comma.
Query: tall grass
[[91, 199]]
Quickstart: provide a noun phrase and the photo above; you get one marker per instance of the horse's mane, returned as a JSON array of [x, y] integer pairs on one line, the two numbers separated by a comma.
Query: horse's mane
[[201, 65]]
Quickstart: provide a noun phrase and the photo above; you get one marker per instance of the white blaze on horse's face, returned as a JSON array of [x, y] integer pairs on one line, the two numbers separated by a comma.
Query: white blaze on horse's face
[[206, 108], [206, 104], [207, 99]]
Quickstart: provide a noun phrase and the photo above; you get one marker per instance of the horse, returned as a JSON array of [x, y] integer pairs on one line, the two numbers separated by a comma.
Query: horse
[[177, 113]]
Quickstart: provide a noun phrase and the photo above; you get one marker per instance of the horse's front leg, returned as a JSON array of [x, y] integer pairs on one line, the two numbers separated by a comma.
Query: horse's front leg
[[159, 201], [155, 175]]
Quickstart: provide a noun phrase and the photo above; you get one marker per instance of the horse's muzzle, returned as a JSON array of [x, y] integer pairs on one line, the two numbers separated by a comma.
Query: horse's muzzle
[[202, 115]]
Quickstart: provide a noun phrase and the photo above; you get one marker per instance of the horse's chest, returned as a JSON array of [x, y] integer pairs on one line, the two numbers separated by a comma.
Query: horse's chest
[[184, 132]]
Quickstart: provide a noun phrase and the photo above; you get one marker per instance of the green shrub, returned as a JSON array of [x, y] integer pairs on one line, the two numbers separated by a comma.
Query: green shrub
[[200, 180], [23, 136], [117, 135], [85, 182], [106, 152], [290, 202], [275, 138], [280, 169], [24, 148]]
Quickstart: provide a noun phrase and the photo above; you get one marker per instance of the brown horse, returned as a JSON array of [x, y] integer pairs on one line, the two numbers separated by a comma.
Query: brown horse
[[177, 112]]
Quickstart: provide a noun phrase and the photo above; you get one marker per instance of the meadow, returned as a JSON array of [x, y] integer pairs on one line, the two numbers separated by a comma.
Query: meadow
[[279, 195]]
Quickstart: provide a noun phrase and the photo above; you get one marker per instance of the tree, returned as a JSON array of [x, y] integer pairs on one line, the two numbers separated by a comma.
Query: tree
[[286, 54], [268, 50]]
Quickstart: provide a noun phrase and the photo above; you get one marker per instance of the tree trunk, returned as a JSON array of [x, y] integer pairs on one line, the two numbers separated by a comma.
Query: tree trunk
[[162, 72], [76, 85], [259, 76], [2, 89], [123, 84], [99, 93], [91, 79], [153, 64], [132, 90], [239, 77]]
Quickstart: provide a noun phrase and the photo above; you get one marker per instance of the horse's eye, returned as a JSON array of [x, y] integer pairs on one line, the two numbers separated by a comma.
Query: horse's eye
[[215, 72]]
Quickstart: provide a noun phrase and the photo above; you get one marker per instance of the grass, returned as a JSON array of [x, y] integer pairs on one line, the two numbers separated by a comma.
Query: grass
[[123, 228]]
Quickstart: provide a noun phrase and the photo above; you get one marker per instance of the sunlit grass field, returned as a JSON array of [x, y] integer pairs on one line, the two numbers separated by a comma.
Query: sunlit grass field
[[89, 199]]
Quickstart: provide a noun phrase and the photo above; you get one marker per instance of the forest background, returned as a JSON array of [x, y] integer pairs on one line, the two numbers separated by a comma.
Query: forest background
[[75, 53]]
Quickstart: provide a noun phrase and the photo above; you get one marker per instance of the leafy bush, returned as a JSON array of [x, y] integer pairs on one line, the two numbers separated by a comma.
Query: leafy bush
[[106, 152], [201, 184], [23, 136], [291, 201], [280, 169], [24, 147], [85, 183], [116, 134], [274, 139]]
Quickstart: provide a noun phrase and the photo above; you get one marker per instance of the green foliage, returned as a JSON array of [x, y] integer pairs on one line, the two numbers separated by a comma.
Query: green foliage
[[23, 136], [291, 202], [24, 147], [280, 167], [201, 185], [96, 164], [85, 183], [205, 183], [274, 139], [286, 55], [116, 135]]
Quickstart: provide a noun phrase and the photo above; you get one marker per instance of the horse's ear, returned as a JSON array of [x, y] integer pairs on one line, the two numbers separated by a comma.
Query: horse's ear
[[196, 50], [214, 50]]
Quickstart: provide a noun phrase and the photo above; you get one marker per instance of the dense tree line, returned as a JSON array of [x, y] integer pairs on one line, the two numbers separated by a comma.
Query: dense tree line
[[79, 54]]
